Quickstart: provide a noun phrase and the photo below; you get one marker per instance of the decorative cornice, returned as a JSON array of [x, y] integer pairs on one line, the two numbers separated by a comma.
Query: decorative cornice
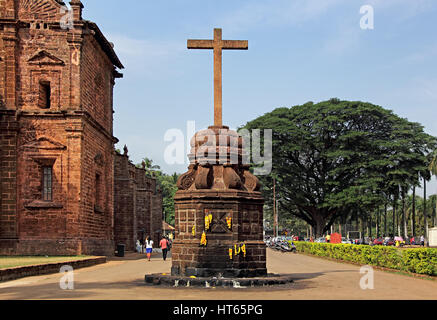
[[43, 57], [70, 114]]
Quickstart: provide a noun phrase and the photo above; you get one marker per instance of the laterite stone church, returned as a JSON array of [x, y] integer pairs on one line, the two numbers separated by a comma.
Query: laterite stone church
[[58, 174]]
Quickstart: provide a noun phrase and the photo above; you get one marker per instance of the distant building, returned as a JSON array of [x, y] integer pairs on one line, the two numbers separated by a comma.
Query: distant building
[[137, 204]]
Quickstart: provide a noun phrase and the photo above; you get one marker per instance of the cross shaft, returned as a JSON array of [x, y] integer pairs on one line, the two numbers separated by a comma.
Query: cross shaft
[[218, 45]]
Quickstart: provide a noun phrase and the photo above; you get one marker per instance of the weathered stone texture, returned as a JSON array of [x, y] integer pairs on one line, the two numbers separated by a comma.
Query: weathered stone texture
[[138, 204], [72, 132], [224, 190]]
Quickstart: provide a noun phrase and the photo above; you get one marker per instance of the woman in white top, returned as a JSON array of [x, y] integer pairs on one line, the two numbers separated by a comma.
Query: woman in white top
[[149, 247]]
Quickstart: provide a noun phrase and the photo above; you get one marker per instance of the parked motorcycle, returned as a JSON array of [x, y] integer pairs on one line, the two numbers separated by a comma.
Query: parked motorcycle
[[281, 245]]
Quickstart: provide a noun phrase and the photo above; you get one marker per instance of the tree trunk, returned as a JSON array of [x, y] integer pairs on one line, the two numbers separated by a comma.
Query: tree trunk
[[385, 220], [435, 211], [413, 213], [398, 225], [319, 226], [275, 221], [370, 226], [378, 221], [404, 218], [394, 217], [425, 220], [411, 220]]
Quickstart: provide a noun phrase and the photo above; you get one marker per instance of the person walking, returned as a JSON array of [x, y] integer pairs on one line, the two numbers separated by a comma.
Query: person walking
[[142, 244], [149, 247], [138, 246], [412, 241], [422, 240], [164, 247]]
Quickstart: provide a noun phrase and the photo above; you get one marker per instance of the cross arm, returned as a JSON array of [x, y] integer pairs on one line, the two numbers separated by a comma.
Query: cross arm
[[200, 44], [235, 44]]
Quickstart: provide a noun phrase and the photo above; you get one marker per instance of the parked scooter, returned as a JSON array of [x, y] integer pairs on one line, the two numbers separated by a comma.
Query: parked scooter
[[281, 245]]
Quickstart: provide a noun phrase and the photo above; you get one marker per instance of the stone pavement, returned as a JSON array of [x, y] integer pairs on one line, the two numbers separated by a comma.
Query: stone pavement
[[315, 278]]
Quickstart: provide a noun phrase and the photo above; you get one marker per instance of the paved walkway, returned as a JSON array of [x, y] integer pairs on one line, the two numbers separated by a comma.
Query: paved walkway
[[315, 279]]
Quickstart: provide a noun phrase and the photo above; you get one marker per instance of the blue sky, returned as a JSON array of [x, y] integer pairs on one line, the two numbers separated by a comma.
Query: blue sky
[[299, 51]]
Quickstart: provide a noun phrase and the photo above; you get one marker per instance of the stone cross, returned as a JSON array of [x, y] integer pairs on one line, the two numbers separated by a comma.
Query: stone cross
[[218, 45]]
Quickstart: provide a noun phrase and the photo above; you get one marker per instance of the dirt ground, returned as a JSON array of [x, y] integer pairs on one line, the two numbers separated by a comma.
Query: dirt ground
[[315, 278]]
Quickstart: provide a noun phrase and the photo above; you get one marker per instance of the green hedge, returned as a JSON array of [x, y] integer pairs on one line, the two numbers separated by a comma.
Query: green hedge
[[420, 260]]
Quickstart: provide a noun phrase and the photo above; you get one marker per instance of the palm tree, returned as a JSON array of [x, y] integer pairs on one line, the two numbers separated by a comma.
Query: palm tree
[[426, 176], [395, 200], [404, 232], [434, 206], [433, 168], [413, 213], [150, 168]]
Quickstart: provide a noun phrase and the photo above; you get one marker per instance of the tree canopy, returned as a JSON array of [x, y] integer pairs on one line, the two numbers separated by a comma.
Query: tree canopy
[[166, 183], [337, 157]]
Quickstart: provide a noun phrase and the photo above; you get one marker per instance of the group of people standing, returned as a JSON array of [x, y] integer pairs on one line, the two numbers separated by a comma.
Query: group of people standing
[[164, 244]]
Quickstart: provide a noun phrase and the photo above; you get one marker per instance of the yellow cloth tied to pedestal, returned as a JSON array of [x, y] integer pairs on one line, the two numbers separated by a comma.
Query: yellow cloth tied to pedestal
[[203, 240], [229, 222], [243, 248], [208, 221]]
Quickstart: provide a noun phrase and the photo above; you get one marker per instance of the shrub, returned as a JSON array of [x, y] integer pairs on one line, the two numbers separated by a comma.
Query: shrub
[[420, 260]]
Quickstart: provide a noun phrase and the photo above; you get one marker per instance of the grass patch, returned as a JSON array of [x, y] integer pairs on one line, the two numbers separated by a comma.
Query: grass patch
[[12, 262]]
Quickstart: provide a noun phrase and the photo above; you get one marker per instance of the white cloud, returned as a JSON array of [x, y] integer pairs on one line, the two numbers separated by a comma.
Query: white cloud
[[148, 58], [419, 56], [346, 39], [130, 47], [349, 34], [274, 13], [409, 7]]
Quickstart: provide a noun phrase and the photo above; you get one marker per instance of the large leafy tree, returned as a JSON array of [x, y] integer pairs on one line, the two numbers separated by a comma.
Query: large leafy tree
[[168, 186], [166, 183], [338, 158]]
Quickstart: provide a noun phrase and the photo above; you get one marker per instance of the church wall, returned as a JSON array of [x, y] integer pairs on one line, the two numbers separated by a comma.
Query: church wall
[[156, 225], [44, 56], [96, 83], [8, 173], [96, 217], [138, 206], [70, 131]]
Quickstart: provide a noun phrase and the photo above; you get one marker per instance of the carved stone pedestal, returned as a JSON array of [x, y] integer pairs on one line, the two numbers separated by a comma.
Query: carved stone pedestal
[[218, 198]]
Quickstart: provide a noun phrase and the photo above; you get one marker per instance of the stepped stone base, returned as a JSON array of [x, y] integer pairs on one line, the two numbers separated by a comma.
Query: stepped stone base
[[208, 282]]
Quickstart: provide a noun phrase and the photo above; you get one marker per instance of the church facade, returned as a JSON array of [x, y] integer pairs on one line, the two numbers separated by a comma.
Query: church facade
[[57, 73]]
